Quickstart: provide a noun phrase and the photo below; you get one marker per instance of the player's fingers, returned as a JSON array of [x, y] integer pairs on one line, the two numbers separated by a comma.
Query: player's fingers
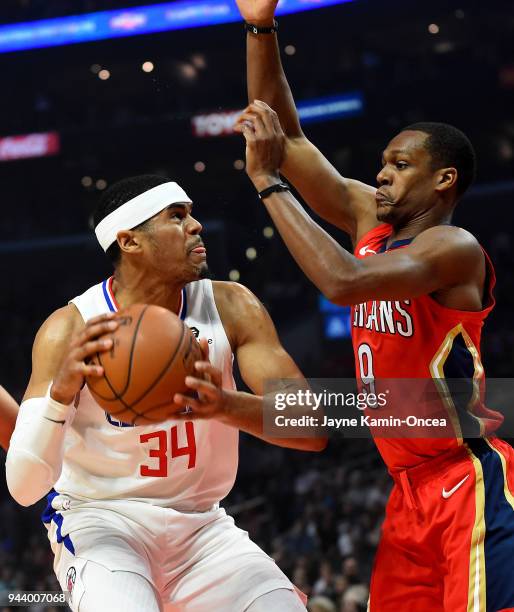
[[190, 416], [261, 109], [103, 317], [240, 125], [92, 370], [267, 122], [262, 104], [204, 345], [258, 123], [266, 114], [90, 348], [245, 119], [81, 369], [214, 374], [276, 122], [95, 330], [249, 110], [269, 116], [246, 116], [249, 134], [185, 401], [258, 106], [102, 327], [247, 127], [204, 387]]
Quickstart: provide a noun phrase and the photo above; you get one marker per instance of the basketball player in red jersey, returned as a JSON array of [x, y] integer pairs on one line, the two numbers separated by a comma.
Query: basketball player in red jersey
[[420, 290], [8, 413]]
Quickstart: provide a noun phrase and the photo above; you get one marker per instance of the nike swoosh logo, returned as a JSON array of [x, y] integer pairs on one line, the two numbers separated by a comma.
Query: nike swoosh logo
[[54, 421], [365, 250], [446, 494]]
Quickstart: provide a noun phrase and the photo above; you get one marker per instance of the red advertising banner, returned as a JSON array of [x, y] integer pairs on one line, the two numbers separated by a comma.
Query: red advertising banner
[[215, 124], [29, 145]]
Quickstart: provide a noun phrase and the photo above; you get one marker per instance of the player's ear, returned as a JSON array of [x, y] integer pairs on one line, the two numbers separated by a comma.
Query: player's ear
[[128, 241], [446, 178]]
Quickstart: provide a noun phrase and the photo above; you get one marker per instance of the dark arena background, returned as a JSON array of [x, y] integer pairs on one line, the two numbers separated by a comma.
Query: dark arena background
[[74, 118]]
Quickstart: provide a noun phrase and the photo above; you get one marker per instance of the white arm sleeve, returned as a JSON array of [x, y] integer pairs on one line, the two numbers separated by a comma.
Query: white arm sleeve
[[35, 455]]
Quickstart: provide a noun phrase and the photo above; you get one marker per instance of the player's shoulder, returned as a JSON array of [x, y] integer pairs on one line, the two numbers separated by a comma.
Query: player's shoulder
[[449, 238], [234, 297], [451, 232], [452, 250], [60, 326], [239, 308]]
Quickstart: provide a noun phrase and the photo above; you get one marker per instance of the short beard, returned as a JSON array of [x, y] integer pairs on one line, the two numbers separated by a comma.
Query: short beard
[[388, 215], [204, 272], [383, 217]]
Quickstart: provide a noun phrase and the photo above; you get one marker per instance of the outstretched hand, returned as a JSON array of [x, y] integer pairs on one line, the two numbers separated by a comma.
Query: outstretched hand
[[210, 400], [258, 12], [265, 143]]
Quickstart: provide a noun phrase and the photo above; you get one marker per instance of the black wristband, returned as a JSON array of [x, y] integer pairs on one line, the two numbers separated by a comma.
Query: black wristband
[[253, 29], [273, 189]]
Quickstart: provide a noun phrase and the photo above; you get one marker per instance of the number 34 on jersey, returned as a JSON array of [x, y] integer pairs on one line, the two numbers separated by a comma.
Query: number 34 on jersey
[[163, 447]]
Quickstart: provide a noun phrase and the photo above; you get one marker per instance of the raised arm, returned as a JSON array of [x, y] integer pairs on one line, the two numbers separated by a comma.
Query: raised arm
[[346, 203], [440, 259], [8, 414]]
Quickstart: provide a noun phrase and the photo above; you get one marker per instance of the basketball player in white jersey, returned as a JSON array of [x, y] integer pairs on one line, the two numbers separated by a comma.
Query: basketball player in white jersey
[[8, 414], [133, 515]]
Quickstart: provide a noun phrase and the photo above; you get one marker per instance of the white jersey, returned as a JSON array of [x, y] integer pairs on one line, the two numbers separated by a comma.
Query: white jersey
[[193, 464]]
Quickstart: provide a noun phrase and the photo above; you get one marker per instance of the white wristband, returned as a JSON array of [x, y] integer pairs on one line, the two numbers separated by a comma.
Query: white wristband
[[36, 451], [55, 411]]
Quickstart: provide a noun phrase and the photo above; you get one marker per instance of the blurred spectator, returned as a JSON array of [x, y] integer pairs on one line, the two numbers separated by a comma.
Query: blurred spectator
[[321, 604], [355, 599]]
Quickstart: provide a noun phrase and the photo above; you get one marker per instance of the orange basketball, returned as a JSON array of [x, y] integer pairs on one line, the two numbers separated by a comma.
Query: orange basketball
[[152, 353]]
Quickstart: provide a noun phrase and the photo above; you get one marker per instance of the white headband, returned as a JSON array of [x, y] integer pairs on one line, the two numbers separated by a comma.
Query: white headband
[[138, 210]]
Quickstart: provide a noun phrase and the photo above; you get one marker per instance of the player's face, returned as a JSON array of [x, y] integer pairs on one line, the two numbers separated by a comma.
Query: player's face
[[175, 249], [407, 180]]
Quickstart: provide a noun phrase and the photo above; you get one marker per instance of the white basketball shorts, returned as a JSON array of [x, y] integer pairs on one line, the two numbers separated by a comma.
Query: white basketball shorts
[[197, 562]]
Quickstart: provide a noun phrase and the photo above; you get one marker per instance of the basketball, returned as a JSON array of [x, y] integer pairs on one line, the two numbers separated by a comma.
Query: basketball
[[152, 353]]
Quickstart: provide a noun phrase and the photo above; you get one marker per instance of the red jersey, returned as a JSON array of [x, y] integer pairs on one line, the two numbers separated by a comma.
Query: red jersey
[[418, 338]]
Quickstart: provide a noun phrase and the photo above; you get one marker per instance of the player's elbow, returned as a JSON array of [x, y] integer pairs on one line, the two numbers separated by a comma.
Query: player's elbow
[[4, 441], [317, 445], [20, 494], [344, 288], [339, 292], [337, 297], [28, 479]]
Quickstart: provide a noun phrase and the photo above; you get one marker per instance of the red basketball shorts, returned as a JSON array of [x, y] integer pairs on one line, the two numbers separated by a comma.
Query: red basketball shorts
[[448, 536]]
